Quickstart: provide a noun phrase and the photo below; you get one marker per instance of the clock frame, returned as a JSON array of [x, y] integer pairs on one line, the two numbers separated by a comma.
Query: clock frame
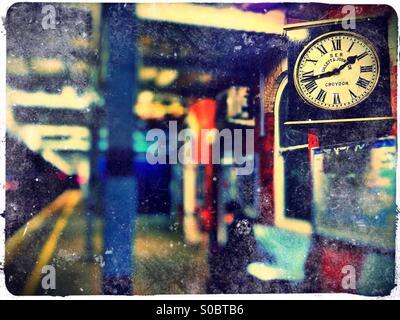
[[345, 61], [376, 106]]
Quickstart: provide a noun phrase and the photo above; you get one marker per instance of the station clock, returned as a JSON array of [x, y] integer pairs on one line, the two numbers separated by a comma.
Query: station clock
[[337, 75], [337, 70]]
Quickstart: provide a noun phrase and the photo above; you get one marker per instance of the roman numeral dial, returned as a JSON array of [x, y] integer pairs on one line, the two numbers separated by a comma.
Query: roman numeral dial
[[336, 98], [337, 70]]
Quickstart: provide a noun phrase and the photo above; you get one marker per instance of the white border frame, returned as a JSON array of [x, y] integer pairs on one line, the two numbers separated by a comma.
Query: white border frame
[[5, 295]]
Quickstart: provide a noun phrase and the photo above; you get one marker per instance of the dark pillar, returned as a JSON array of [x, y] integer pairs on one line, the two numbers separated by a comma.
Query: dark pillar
[[120, 186]]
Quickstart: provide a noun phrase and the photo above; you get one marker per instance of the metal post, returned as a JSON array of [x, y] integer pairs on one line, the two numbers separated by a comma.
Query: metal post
[[120, 186]]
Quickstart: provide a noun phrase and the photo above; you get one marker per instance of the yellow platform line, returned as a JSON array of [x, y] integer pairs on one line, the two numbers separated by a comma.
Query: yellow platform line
[[13, 243], [50, 246]]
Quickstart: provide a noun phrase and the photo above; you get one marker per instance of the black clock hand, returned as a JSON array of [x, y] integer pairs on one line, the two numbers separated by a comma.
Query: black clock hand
[[326, 74], [350, 60], [320, 76]]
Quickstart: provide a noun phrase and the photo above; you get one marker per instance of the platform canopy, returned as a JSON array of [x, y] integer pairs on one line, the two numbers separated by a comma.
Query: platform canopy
[[224, 43]]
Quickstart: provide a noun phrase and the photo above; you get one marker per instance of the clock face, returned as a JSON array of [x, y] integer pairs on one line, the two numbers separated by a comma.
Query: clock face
[[337, 70]]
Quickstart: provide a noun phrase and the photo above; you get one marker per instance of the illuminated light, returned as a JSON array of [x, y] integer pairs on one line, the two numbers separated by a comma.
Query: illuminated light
[[201, 15], [80, 67], [165, 77], [76, 137], [159, 110], [83, 43], [62, 130], [56, 160], [228, 218], [144, 106], [176, 109], [67, 99], [83, 171], [204, 77], [139, 141], [298, 34], [81, 180], [205, 215], [148, 107], [103, 133], [103, 145], [47, 66], [145, 97], [17, 66], [31, 137], [150, 111], [71, 144], [147, 73]]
